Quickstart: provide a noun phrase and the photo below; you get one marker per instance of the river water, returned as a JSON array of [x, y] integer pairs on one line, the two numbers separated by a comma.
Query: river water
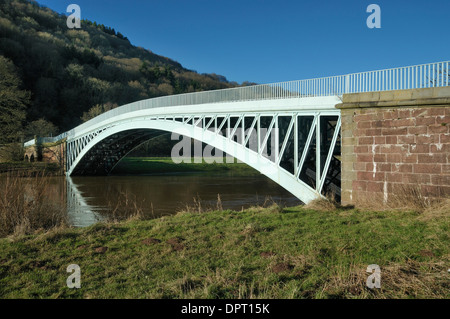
[[91, 199]]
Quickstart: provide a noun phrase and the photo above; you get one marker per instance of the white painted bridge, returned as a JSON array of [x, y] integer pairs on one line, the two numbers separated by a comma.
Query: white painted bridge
[[289, 131]]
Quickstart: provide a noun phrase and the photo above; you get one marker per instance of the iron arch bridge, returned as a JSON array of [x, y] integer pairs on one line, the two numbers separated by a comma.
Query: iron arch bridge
[[291, 141], [288, 131]]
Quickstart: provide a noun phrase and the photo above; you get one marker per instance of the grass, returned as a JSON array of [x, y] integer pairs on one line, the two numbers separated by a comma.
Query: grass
[[134, 165], [23, 168], [164, 165], [26, 205], [255, 253]]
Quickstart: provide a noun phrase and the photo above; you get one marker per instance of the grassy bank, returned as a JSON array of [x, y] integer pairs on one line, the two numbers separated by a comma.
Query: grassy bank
[[163, 165], [24, 168], [132, 165], [256, 253]]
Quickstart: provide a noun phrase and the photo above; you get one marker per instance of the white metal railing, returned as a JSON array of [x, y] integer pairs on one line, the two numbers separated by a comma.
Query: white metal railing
[[409, 77], [41, 140]]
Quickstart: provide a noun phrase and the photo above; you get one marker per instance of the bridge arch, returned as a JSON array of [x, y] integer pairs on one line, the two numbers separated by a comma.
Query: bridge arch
[[291, 148], [310, 158]]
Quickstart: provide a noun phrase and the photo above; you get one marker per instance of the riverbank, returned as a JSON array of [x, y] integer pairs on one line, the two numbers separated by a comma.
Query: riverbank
[[23, 168], [132, 166], [164, 165], [255, 253]]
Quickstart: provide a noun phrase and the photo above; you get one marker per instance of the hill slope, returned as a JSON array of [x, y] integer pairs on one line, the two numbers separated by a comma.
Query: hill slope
[[68, 72]]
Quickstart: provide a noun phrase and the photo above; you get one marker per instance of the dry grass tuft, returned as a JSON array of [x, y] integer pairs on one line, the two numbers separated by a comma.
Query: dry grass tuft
[[219, 203], [268, 206], [408, 197], [413, 278], [323, 204], [402, 198], [437, 210], [125, 207], [198, 206], [26, 206], [252, 229]]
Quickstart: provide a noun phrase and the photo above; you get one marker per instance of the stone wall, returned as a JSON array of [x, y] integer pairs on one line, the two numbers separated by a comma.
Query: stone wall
[[49, 153], [31, 154], [395, 140]]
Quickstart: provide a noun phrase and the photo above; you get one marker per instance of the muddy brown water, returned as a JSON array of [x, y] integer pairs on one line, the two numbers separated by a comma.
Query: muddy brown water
[[90, 199]]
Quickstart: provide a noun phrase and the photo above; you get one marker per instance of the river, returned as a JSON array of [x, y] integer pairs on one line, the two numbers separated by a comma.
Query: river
[[91, 199]]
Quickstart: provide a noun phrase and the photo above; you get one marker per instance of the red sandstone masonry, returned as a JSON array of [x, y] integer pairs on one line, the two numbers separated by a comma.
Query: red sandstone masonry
[[395, 146]]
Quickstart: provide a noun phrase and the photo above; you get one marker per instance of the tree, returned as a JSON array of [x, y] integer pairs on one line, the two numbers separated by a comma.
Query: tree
[[13, 103], [40, 128], [69, 71], [97, 110]]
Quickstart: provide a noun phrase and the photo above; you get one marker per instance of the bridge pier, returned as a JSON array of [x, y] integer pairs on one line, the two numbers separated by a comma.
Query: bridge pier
[[47, 152], [31, 153], [393, 142]]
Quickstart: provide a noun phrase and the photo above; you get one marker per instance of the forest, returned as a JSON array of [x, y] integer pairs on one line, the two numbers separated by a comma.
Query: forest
[[53, 78]]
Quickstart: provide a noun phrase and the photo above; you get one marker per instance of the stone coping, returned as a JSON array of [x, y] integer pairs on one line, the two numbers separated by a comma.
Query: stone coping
[[439, 96]]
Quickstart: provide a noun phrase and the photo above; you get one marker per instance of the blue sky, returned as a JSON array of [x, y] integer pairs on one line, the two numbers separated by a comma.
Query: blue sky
[[278, 40]]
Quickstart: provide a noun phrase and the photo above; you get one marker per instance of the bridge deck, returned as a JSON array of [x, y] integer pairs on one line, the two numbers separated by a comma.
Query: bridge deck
[[289, 131]]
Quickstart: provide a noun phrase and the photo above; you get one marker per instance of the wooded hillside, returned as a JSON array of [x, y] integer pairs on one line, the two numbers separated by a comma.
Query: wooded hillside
[[65, 76]]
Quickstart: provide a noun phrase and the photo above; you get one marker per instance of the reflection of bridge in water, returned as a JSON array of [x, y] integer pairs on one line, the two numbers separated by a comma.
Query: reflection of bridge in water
[[294, 126], [80, 213], [100, 198]]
